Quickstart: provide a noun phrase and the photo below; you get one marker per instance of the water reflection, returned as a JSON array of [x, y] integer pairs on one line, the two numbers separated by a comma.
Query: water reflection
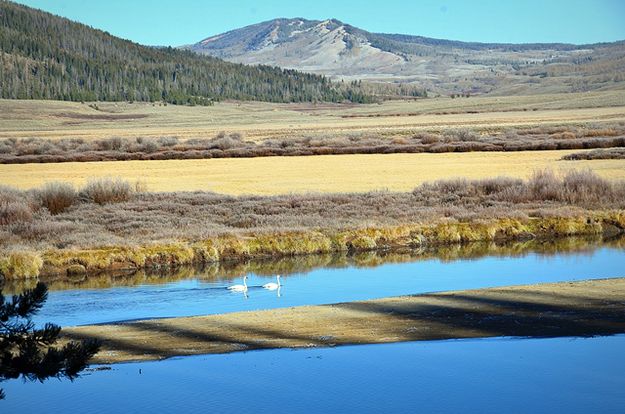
[[310, 280], [287, 266], [478, 376]]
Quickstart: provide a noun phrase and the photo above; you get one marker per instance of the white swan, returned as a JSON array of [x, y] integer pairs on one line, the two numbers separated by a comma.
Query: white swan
[[239, 288], [273, 286]]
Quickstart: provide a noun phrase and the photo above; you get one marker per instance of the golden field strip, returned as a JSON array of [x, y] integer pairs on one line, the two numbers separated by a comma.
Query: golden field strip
[[544, 310], [257, 121], [331, 173]]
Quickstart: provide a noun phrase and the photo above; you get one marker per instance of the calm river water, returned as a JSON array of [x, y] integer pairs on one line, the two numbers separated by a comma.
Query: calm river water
[[496, 376], [194, 295], [569, 375]]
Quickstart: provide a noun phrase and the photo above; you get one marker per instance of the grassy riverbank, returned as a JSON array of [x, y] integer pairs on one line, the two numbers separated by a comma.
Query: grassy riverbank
[[105, 225], [296, 265], [545, 310]]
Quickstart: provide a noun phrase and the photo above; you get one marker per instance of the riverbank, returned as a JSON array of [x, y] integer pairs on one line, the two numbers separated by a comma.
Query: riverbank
[[235, 248], [294, 265], [57, 230], [545, 310]]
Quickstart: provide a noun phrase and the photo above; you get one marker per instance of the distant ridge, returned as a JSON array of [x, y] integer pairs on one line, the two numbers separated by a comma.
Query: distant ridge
[[333, 48], [43, 56]]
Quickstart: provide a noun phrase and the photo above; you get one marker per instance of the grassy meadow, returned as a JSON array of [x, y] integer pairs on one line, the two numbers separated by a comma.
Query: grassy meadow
[[191, 211], [108, 224], [257, 121], [330, 173]]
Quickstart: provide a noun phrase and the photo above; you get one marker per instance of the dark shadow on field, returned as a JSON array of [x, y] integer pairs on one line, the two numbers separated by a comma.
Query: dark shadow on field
[[531, 315], [511, 312]]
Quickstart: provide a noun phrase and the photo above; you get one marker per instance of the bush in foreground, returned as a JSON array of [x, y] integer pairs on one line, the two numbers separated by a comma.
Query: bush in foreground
[[57, 197], [106, 191], [576, 187]]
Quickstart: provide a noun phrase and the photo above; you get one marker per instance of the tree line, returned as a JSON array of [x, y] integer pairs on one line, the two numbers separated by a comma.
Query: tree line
[[43, 56]]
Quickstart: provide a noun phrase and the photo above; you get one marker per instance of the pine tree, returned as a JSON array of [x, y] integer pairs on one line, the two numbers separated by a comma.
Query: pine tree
[[29, 352]]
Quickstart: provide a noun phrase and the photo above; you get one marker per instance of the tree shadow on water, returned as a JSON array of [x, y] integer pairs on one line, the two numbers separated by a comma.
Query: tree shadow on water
[[490, 313], [30, 352]]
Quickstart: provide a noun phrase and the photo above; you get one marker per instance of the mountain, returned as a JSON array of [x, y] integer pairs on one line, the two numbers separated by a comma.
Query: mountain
[[43, 56], [339, 50]]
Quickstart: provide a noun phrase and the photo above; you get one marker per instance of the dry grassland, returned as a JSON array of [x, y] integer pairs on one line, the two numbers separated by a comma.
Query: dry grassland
[[256, 121], [332, 173]]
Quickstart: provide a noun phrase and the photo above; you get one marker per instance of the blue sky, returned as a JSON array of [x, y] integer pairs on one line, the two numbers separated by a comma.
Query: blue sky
[[177, 22]]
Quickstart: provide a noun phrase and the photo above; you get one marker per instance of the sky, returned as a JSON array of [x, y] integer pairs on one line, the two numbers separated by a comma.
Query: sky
[[179, 22]]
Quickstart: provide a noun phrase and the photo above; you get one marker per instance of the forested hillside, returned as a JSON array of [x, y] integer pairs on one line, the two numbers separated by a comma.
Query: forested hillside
[[43, 56]]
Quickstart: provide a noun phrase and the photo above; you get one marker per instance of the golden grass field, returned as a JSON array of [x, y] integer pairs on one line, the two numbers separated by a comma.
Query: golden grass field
[[256, 121], [331, 173], [274, 175]]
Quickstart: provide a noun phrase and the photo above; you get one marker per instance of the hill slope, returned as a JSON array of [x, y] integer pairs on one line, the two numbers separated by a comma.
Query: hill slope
[[337, 49], [43, 56]]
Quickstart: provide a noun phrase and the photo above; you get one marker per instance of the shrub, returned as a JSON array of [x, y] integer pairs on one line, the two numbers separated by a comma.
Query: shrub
[[167, 141], [427, 138], [76, 270], [106, 190], [42, 229], [140, 186], [149, 146], [110, 144], [223, 142], [399, 141], [544, 185], [20, 264], [586, 186], [362, 243], [601, 132], [466, 135], [296, 218], [450, 186], [490, 186], [5, 147], [56, 196], [13, 150], [15, 206], [600, 154], [14, 212], [205, 252], [564, 135], [460, 135]]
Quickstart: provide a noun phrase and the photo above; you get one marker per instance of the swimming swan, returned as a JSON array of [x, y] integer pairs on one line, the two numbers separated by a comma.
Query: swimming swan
[[239, 288], [273, 286]]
